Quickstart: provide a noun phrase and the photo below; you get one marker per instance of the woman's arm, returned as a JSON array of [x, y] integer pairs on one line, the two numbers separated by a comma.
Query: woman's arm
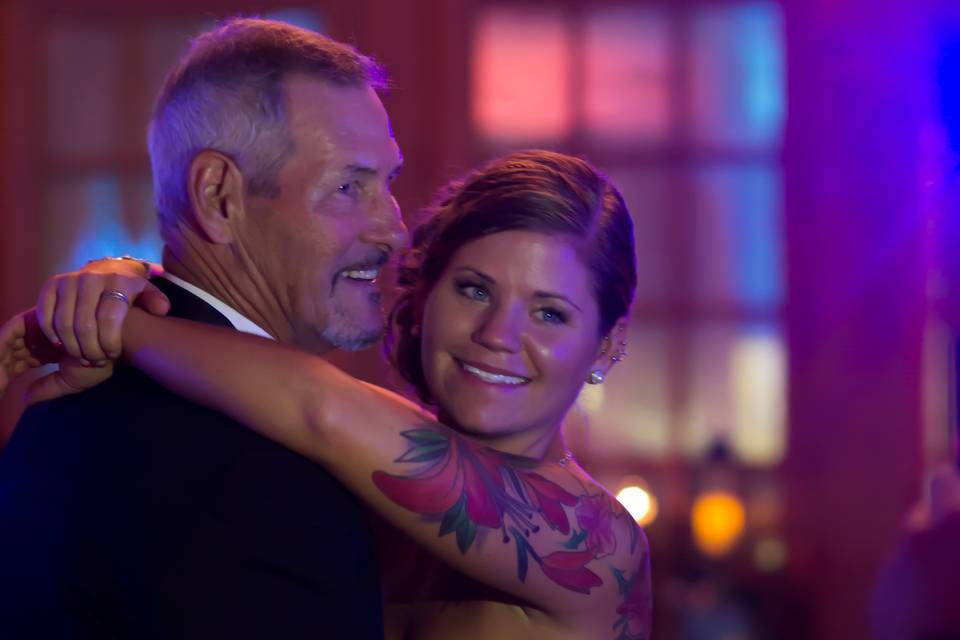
[[541, 532]]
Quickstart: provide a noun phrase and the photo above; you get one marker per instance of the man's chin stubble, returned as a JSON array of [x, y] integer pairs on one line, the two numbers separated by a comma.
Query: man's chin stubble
[[352, 341], [343, 333]]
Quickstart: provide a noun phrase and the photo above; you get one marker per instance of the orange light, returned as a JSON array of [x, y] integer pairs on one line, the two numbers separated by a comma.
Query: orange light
[[717, 519]]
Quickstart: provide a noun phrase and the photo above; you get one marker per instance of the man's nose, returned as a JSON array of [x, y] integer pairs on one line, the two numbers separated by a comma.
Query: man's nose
[[387, 228]]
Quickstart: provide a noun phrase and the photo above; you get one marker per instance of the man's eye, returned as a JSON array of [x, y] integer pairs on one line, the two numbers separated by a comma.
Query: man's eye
[[349, 188]]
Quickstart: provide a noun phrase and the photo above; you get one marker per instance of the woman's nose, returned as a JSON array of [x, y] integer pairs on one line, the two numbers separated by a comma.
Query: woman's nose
[[500, 329]]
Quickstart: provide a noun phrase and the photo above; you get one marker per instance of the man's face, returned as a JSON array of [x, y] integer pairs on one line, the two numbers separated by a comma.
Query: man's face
[[317, 248]]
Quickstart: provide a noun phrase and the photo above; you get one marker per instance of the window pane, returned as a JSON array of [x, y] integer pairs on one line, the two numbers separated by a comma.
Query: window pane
[[521, 71], [737, 393], [162, 45], [627, 414], [737, 88], [140, 219], [758, 376], [627, 75], [737, 239], [98, 216], [82, 78]]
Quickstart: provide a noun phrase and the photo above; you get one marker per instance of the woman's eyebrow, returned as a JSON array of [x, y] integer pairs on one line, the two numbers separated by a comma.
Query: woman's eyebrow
[[480, 274], [559, 296], [539, 294]]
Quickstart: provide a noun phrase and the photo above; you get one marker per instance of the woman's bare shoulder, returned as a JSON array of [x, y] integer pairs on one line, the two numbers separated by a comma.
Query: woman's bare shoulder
[[602, 562]]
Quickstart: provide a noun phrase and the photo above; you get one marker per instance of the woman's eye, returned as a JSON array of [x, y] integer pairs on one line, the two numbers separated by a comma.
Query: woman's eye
[[552, 316], [473, 291]]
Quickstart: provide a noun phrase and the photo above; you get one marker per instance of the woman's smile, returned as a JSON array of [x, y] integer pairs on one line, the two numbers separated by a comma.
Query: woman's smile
[[492, 375]]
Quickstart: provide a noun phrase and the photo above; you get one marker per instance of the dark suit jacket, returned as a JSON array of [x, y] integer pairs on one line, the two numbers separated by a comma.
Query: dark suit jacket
[[127, 511]]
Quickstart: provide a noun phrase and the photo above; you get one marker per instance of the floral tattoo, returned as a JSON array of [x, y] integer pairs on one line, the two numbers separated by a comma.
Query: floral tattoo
[[469, 489], [635, 609]]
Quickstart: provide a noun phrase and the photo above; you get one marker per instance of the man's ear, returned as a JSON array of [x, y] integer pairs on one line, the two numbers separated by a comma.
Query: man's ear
[[216, 189], [613, 348]]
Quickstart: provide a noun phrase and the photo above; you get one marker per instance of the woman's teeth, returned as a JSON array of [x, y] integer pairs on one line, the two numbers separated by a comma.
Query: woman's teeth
[[493, 378]]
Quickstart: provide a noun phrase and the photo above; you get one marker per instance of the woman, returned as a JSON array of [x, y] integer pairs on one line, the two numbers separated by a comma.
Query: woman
[[516, 292]]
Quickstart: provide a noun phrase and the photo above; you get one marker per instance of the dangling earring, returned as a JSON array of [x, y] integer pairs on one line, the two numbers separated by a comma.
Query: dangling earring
[[622, 353], [595, 377]]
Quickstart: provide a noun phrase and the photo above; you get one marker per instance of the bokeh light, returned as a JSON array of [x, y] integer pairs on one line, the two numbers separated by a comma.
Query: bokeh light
[[770, 554], [717, 521], [639, 502]]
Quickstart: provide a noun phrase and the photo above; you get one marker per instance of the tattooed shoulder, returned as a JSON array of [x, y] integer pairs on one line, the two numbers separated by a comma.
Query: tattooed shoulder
[[634, 610], [467, 488]]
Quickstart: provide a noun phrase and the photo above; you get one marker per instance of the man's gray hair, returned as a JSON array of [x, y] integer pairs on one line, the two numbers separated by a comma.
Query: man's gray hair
[[227, 94]]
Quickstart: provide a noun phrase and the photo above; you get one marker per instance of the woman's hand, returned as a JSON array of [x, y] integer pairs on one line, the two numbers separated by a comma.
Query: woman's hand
[[71, 377], [83, 311], [15, 358], [19, 354]]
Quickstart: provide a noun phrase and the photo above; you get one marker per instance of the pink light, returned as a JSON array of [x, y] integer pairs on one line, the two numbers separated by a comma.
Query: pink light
[[627, 67], [521, 71]]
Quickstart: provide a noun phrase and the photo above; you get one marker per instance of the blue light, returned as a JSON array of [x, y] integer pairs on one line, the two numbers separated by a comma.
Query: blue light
[[742, 205], [761, 54], [739, 69], [304, 18], [757, 228], [104, 233], [948, 70]]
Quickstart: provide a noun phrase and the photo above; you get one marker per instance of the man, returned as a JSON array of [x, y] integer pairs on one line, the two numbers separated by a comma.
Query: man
[[915, 596], [127, 511]]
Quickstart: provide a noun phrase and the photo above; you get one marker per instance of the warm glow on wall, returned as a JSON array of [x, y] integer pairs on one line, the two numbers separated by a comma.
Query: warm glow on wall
[[759, 381], [640, 503], [521, 75], [717, 521], [770, 554], [739, 378]]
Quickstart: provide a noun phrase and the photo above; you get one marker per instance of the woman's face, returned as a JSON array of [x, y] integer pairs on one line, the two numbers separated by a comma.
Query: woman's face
[[510, 332]]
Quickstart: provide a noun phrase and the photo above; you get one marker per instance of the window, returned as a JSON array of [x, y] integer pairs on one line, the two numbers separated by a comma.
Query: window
[[681, 104]]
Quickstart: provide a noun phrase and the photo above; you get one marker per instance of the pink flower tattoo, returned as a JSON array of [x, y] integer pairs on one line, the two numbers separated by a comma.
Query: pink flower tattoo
[[468, 487], [636, 607], [595, 517]]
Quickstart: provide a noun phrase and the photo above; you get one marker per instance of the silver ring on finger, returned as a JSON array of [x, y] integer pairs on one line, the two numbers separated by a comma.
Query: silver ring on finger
[[116, 295]]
